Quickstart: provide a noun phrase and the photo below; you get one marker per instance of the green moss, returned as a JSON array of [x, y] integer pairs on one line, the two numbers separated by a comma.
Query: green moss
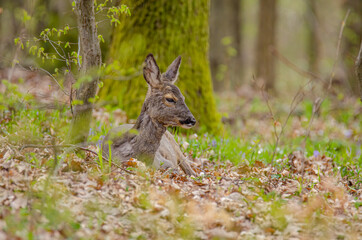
[[166, 29]]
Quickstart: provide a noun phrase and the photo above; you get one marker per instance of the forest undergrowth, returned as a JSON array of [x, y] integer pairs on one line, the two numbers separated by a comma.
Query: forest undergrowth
[[310, 189]]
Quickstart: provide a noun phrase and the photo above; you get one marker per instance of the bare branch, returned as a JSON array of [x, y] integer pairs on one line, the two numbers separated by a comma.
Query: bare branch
[[338, 47], [75, 147], [56, 50], [55, 80], [294, 67]]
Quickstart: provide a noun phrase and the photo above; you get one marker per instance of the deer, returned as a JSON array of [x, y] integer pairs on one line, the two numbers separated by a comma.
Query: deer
[[148, 140]]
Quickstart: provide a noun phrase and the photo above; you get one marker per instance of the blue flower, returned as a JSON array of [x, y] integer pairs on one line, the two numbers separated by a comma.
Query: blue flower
[[316, 153], [100, 140]]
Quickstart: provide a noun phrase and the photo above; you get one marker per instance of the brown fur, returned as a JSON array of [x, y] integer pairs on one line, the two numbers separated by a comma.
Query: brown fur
[[164, 106]]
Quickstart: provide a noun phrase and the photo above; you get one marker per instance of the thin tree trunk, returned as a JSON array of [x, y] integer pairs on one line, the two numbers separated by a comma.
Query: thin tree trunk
[[359, 70], [351, 43], [313, 36], [91, 61], [226, 64], [265, 63]]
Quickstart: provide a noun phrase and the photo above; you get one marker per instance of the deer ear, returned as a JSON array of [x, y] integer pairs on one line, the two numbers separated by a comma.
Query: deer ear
[[151, 72], [172, 71]]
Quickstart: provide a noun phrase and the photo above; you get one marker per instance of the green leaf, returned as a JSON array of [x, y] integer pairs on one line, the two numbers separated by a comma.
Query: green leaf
[[100, 38], [40, 51], [33, 49], [226, 41], [77, 102], [16, 40]]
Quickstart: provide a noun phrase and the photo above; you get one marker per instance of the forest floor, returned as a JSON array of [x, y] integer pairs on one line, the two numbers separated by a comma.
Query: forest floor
[[311, 189]]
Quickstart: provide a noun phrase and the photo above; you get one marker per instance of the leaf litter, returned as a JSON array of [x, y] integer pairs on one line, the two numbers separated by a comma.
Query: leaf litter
[[304, 199]]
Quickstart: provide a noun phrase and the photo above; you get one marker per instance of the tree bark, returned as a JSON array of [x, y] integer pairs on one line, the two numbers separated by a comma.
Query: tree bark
[[166, 29], [91, 61], [226, 22], [313, 36], [351, 43], [358, 66], [266, 40]]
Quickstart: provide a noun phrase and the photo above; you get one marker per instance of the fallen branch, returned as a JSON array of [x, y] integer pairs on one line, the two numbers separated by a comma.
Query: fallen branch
[[75, 147]]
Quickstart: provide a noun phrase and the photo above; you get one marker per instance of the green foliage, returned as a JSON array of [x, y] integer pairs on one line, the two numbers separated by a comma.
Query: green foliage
[[44, 202], [12, 98]]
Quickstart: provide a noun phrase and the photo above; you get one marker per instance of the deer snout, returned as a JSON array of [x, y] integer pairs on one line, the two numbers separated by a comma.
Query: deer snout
[[188, 122]]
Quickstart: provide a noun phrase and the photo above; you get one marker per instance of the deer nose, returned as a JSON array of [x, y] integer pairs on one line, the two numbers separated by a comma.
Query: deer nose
[[189, 121]]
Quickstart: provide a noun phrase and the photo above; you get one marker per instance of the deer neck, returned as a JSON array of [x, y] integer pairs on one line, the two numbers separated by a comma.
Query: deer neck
[[149, 135]]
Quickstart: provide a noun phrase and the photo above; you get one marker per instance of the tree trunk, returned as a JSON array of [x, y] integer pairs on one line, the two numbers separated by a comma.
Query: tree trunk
[[358, 66], [266, 40], [91, 61], [226, 58], [313, 36], [166, 29], [351, 42]]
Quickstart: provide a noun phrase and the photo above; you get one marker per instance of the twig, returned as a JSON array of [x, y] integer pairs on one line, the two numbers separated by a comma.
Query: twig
[[317, 104], [47, 146], [75, 147], [55, 80], [338, 47], [106, 159], [319, 101], [55, 150], [293, 105], [56, 50], [45, 71], [288, 63], [11, 73]]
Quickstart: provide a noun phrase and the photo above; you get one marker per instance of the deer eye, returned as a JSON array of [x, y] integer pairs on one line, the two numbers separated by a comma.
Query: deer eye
[[170, 100]]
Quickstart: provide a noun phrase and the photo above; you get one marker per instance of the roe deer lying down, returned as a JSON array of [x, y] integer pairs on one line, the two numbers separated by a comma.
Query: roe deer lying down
[[148, 140]]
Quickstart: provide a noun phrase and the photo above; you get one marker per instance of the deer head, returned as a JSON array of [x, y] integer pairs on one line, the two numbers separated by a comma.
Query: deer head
[[164, 102]]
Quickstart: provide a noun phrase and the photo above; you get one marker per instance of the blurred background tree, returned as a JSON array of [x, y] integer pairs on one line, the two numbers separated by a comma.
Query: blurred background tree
[[313, 41], [351, 43], [266, 41], [226, 58], [166, 29]]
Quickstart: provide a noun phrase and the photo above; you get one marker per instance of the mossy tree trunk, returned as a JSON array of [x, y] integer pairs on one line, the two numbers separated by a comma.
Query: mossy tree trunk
[[91, 61], [166, 29]]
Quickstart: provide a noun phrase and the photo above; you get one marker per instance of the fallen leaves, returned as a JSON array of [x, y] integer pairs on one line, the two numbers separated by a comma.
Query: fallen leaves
[[225, 201]]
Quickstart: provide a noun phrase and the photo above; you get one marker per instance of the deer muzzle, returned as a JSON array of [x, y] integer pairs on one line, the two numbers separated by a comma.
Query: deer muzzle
[[188, 122]]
